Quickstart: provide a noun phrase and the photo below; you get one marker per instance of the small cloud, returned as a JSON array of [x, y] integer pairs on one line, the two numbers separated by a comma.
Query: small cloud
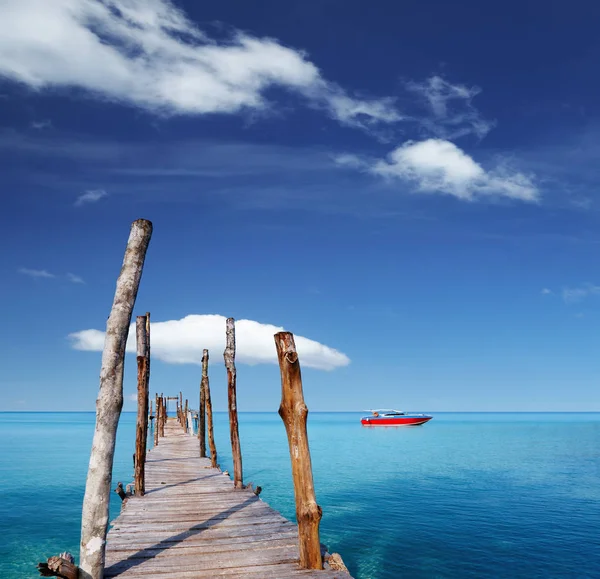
[[41, 125], [439, 166], [546, 292], [583, 203], [36, 273], [572, 295], [132, 397], [452, 113], [74, 278], [351, 161], [91, 196]]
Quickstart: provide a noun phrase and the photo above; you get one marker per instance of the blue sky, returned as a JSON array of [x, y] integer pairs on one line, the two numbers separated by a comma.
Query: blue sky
[[412, 186]]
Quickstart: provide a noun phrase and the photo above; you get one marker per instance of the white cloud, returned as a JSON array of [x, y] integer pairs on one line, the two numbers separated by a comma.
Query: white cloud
[[40, 125], [90, 196], [439, 166], [148, 54], [36, 273], [45, 274], [452, 113], [547, 292], [74, 278], [132, 397], [182, 341], [571, 295]]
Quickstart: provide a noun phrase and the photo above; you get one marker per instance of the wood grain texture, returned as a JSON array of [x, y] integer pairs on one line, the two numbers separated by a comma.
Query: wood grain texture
[[95, 516], [192, 523], [294, 414], [234, 431]]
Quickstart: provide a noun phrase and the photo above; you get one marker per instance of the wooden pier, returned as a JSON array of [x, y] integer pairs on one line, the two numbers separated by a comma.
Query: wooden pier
[[192, 522], [186, 518]]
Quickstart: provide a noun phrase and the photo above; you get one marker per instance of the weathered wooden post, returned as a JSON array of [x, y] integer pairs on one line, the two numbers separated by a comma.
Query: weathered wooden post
[[294, 413], [185, 420], [142, 416], [163, 410], [202, 409], [180, 408], [94, 520], [156, 420], [209, 416], [229, 356]]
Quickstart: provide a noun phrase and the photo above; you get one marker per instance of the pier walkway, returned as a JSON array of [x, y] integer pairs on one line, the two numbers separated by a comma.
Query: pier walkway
[[192, 523]]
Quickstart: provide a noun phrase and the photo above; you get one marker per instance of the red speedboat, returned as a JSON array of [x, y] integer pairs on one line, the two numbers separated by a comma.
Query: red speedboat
[[394, 418]]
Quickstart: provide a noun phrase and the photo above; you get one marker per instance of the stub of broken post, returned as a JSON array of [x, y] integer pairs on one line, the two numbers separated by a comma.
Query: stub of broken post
[[250, 487], [335, 562], [62, 565], [121, 491]]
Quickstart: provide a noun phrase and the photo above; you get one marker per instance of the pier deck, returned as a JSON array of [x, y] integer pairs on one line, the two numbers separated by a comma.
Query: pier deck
[[192, 523]]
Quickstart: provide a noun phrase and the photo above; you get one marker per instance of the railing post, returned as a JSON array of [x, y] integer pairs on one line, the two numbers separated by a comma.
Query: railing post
[[202, 409], [294, 413], [142, 415], [94, 520], [229, 356], [209, 416], [181, 408], [156, 420]]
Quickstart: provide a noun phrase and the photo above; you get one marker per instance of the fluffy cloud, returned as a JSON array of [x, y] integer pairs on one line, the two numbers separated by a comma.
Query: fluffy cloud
[[90, 197], [439, 166], [148, 54], [181, 342]]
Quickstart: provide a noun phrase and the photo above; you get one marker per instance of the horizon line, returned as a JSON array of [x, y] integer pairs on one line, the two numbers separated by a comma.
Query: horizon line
[[324, 411]]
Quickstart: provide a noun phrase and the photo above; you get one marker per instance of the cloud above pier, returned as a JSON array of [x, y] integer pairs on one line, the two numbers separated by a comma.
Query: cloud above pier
[[182, 341], [149, 54]]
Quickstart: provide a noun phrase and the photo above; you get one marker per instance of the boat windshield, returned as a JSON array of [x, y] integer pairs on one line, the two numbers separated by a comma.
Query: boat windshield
[[387, 413]]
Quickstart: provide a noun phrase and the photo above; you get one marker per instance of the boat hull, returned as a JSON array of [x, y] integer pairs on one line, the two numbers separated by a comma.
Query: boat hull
[[395, 421]]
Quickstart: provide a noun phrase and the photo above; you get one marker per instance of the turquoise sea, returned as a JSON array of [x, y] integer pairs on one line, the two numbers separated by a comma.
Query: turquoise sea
[[465, 496]]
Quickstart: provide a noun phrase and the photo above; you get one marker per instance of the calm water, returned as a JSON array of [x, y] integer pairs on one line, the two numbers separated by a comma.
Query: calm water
[[467, 495]]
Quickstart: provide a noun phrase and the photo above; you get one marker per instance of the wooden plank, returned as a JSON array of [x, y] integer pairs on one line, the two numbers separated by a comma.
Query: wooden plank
[[193, 523]]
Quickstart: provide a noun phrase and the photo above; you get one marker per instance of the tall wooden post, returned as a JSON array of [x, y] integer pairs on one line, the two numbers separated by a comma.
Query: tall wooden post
[[294, 413], [156, 420], [148, 344], [202, 410], [185, 420], [181, 408], [163, 409], [209, 416], [142, 415], [94, 520], [159, 415], [229, 356]]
